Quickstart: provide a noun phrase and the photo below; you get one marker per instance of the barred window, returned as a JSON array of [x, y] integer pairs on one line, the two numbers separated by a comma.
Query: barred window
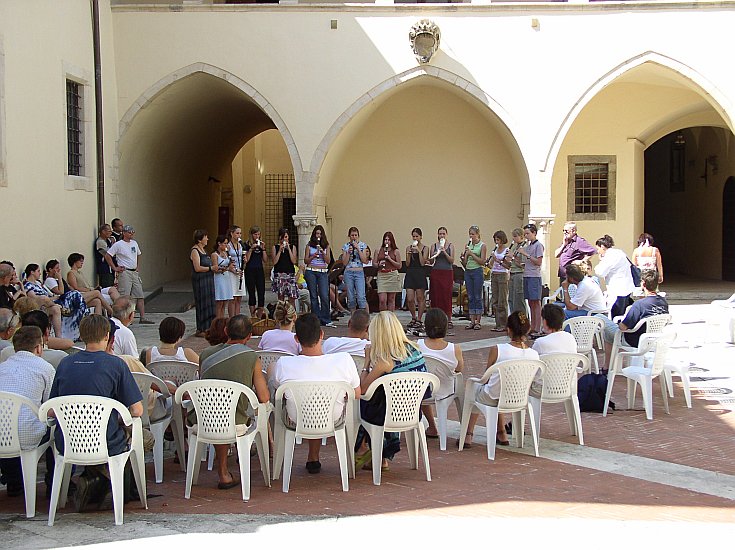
[[74, 128], [591, 192]]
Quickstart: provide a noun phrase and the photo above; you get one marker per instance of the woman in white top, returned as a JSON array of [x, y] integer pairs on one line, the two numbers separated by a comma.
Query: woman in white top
[[647, 256], [499, 280], [517, 348], [281, 338], [236, 274], [435, 346], [614, 266], [171, 331]]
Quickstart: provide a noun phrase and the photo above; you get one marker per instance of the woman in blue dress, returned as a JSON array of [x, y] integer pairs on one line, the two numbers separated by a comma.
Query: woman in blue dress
[[389, 352], [222, 266]]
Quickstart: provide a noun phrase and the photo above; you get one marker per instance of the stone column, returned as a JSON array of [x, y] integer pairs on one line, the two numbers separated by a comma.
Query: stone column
[[304, 225], [544, 223]]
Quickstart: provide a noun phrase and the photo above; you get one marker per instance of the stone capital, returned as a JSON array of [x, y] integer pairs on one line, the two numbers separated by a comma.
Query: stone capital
[[305, 221], [543, 223]]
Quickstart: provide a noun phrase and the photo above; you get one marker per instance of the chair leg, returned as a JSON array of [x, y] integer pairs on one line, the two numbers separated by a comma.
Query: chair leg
[[178, 430], [29, 467], [664, 393], [117, 467], [376, 445], [442, 409], [243, 445], [535, 404], [278, 441], [534, 431], [412, 445], [60, 471], [340, 439], [631, 393], [261, 444], [192, 464], [610, 382], [137, 463], [210, 457], [669, 381], [424, 450], [157, 431], [289, 444], [469, 402], [687, 390], [491, 427], [571, 418], [647, 391], [577, 417], [519, 420], [593, 354]]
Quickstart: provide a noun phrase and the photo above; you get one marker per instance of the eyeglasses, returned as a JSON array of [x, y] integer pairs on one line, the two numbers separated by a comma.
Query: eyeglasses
[[567, 231]]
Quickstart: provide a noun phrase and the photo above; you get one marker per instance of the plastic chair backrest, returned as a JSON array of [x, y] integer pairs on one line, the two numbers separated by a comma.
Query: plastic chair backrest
[[403, 395], [445, 374], [516, 376], [145, 381], [662, 344], [560, 374], [10, 404], [315, 403], [215, 402], [359, 361], [83, 420], [268, 358], [655, 323], [178, 372], [584, 329]]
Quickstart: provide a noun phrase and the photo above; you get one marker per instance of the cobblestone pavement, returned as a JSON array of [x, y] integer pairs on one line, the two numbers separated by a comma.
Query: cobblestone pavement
[[671, 479]]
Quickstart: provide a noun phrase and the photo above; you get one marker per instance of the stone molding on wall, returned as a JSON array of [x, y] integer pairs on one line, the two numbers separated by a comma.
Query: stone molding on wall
[[85, 182], [3, 169]]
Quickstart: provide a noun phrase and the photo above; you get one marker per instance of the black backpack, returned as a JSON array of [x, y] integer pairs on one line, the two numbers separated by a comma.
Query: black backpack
[[591, 389]]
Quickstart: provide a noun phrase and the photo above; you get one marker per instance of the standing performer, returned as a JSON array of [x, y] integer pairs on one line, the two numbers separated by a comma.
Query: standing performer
[[236, 275], [417, 255], [202, 282], [316, 257], [534, 254], [442, 274], [285, 258], [473, 258], [389, 280], [222, 265], [254, 276], [355, 256], [499, 280], [514, 262]]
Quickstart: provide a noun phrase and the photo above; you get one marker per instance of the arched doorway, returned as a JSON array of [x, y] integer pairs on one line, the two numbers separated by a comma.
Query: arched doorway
[[728, 224], [176, 166], [422, 154]]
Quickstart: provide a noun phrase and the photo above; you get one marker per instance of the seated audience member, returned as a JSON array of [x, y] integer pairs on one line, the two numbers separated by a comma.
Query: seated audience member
[[555, 340], [236, 362], [10, 289], [313, 366], [38, 319], [26, 304], [8, 323], [123, 313], [69, 299], [43, 296], [26, 374], [304, 301], [171, 331], [281, 338], [216, 333], [96, 372], [77, 281], [435, 346], [355, 341], [588, 297], [651, 304]]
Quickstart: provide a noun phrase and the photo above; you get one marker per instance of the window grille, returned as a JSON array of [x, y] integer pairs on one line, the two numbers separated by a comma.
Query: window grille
[[74, 128], [591, 187], [280, 206]]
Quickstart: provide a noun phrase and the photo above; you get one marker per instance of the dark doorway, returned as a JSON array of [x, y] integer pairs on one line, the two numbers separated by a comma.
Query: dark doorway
[[728, 223], [289, 210], [223, 220]]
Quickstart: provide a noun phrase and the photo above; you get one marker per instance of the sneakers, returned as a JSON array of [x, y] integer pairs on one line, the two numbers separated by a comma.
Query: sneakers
[[330, 324]]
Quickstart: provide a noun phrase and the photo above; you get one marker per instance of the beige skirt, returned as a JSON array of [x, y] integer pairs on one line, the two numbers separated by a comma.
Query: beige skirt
[[389, 282]]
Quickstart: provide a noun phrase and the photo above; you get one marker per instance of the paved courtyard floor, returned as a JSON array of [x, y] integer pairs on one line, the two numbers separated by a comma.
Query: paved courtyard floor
[[669, 481]]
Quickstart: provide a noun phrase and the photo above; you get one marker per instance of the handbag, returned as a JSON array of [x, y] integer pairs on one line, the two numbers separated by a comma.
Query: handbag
[[635, 272]]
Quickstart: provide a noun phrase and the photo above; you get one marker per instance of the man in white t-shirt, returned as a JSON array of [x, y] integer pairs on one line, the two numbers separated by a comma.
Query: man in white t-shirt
[[556, 340], [123, 312], [588, 297], [127, 253], [312, 365], [357, 336]]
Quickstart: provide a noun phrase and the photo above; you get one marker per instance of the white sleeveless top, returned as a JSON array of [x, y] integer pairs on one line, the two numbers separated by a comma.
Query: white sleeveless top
[[445, 355], [506, 352], [157, 356]]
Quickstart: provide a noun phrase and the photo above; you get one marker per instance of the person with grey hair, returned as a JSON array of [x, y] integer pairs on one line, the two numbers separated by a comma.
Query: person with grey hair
[[572, 248], [8, 323], [123, 312]]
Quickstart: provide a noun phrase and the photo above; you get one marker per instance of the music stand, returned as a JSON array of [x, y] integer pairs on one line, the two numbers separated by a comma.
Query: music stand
[[459, 278]]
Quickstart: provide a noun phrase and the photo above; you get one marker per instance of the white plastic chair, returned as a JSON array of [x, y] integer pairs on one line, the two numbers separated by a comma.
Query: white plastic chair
[[403, 395], [10, 405], [158, 427], [451, 390], [359, 362], [552, 297], [269, 358], [560, 386], [315, 403], [178, 372], [599, 340], [654, 326], [516, 377], [721, 321], [83, 420], [643, 374], [585, 329], [680, 369], [215, 402]]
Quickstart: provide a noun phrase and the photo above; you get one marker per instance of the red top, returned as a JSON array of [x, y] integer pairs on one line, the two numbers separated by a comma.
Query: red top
[[388, 267]]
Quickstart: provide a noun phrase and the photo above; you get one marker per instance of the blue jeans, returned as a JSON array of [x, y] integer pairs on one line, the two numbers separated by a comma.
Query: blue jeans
[[473, 281], [569, 313], [318, 284], [355, 281]]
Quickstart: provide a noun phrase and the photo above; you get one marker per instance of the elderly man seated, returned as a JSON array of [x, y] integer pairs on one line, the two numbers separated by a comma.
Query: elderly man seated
[[313, 366], [651, 304], [588, 297], [8, 323]]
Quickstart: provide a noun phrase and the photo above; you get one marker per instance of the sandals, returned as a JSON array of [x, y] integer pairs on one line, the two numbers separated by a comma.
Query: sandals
[[498, 329], [467, 445], [470, 326], [477, 326], [363, 459]]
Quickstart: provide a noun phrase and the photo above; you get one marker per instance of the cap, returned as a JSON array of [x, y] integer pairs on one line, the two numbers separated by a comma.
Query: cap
[[128, 229]]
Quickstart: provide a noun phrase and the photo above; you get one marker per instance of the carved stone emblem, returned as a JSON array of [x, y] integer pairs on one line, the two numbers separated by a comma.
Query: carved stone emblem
[[424, 38]]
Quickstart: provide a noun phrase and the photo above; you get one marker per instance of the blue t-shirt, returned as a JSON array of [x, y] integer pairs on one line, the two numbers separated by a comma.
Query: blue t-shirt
[[101, 374], [645, 307]]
